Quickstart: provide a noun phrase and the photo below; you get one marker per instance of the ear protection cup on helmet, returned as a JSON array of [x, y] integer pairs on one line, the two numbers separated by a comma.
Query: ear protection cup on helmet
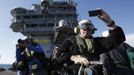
[[76, 30], [93, 29]]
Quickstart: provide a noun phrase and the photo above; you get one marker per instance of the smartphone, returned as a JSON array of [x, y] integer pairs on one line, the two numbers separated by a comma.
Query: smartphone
[[94, 13]]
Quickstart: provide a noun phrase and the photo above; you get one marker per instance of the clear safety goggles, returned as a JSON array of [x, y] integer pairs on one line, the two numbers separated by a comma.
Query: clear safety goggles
[[85, 26]]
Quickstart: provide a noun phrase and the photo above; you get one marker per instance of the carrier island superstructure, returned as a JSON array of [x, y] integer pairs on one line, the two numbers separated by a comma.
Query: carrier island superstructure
[[41, 20]]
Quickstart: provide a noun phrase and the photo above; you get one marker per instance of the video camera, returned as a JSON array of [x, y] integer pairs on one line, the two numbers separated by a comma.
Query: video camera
[[21, 43]]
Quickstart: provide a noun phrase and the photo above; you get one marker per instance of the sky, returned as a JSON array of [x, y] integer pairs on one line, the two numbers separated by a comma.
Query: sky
[[121, 11]]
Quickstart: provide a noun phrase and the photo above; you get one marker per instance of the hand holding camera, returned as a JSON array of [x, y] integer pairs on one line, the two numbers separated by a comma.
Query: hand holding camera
[[21, 43], [101, 14]]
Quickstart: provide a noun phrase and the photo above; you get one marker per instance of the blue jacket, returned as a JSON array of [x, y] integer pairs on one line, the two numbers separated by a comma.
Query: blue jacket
[[37, 49], [32, 60]]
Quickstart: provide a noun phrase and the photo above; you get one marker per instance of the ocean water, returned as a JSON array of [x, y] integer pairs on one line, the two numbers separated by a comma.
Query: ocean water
[[5, 66]]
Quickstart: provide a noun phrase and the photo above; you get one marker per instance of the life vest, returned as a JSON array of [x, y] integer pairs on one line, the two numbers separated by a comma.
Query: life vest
[[84, 44]]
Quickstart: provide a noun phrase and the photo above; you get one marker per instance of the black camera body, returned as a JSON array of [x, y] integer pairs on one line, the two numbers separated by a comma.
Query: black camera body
[[93, 13]]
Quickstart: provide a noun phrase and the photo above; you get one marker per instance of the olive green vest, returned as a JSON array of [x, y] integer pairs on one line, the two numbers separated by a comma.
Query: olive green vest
[[85, 45]]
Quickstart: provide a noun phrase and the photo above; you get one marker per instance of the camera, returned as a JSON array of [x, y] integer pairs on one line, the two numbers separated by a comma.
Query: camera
[[94, 13]]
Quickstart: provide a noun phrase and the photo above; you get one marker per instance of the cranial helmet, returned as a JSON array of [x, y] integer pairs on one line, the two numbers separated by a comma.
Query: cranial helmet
[[63, 23], [84, 24]]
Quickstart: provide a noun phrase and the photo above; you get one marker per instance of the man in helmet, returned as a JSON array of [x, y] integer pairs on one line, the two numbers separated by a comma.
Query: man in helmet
[[84, 48], [62, 31], [31, 57]]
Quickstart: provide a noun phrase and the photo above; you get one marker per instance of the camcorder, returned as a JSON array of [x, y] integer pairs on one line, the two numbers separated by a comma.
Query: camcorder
[[21, 43], [93, 13]]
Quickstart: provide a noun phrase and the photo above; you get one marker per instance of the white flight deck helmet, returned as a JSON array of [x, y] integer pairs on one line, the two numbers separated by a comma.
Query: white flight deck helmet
[[84, 24], [63, 23], [105, 33]]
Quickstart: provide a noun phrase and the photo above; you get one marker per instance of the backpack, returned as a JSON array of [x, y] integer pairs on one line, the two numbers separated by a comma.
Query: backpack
[[130, 54]]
